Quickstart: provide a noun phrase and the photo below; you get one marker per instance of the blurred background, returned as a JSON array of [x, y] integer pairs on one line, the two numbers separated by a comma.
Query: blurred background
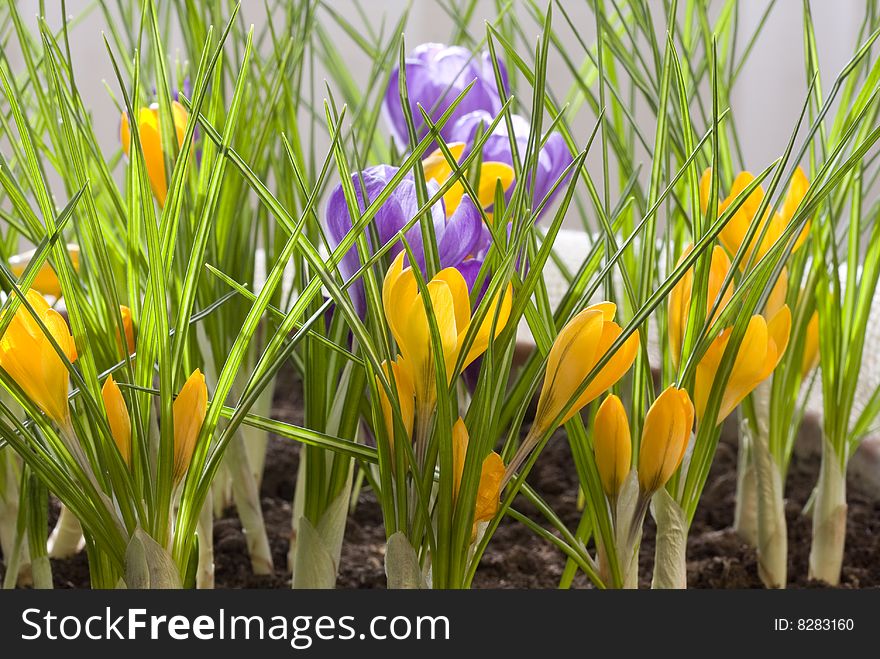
[[767, 98]]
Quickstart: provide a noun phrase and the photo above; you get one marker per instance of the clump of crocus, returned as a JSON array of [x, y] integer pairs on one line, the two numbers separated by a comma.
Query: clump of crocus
[[46, 281], [665, 436], [580, 345], [491, 473], [679, 304], [149, 129], [27, 355], [734, 232], [407, 316], [761, 348]]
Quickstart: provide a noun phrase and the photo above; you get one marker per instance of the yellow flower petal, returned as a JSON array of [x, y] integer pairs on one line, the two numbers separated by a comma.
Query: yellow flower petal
[[128, 328], [189, 411], [117, 417], [665, 437], [759, 353], [491, 473], [493, 174], [460, 295], [46, 281], [679, 304], [797, 190], [776, 300], [405, 399], [151, 143], [489, 492], [619, 363], [460, 441], [482, 338], [705, 189], [811, 345], [612, 445], [577, 349], [29, 358]]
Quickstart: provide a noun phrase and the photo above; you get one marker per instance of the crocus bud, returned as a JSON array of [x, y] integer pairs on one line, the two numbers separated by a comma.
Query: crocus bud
[[190, 407], [117, 417], [612, 445], [46, 281], [762, 347], [151, 142], [575, 352], [29, 358], [665, 437], [679, 305]]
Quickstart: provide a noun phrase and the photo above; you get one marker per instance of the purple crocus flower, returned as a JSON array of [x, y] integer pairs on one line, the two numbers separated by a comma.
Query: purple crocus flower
[[458, 236], [435, 75], [553, 158]]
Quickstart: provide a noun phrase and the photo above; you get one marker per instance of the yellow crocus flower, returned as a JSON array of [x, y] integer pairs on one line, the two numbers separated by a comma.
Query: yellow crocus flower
[[577, 349], [450, 300], [405, 398], [189, 409], [436, 167], [762, 347], [29, 358], [491, 474], [117, 417], [46, 281], [734, 232], [665, 437], [612, 445], [151, 142], [679, 304]]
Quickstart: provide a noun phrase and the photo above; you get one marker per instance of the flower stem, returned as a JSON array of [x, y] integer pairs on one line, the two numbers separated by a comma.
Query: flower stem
[[829, 518], [745, 515], [670, 550], [205, 574], [66, 538], [772, 531], [247, 503]]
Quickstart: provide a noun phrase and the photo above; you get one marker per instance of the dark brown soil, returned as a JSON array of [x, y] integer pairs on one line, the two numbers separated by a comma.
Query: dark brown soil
[[516, 558]]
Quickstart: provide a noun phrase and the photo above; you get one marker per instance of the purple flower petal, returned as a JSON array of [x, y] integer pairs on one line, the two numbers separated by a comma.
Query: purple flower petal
[[435, 76], [460, 234]]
